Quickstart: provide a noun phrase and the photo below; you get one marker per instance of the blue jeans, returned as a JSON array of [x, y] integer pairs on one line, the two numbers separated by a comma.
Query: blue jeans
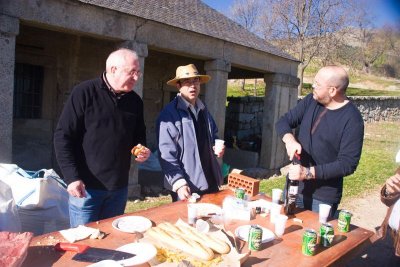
[[312, 204], [97, 205]]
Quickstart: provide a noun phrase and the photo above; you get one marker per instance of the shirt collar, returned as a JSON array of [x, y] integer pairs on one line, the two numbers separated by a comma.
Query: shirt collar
[[104, 77], [198, 105]]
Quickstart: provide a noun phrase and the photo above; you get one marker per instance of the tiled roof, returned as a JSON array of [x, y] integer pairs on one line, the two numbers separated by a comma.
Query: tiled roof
[[191, 15]]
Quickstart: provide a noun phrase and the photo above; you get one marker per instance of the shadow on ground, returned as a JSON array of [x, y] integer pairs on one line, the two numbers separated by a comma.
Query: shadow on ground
[[380, 253]]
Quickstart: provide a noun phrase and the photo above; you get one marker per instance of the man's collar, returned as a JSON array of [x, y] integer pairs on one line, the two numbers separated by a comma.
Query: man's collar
[[199, 104], [104, 77]]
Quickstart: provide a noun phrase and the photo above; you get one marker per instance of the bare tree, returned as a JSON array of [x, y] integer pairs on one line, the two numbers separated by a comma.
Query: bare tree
[[303, 27], [372, 43], [246, 13]]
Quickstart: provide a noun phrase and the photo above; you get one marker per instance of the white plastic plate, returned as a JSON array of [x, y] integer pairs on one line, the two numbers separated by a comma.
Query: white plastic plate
[[131, 224], [144, 252], [242, 232]]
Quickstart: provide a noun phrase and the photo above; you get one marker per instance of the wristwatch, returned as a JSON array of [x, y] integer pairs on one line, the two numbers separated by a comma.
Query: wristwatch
[[309, 175]]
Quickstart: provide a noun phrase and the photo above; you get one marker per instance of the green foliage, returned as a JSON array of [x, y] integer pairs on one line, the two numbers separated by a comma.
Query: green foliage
[[235, 90], [266, 186], [132, 206], [351, 91]]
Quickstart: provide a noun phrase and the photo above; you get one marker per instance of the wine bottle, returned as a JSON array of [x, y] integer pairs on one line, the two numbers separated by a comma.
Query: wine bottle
[[292, 189]]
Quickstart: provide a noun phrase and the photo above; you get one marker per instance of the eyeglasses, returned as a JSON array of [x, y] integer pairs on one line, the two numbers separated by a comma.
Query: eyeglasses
[[195, 80], [135, 73]]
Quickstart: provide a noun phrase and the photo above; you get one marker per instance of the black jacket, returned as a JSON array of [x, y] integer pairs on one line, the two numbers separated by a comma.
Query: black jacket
[[95, 134]]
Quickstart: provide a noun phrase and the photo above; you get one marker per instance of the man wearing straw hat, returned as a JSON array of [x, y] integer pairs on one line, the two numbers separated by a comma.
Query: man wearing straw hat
[[186, 133]]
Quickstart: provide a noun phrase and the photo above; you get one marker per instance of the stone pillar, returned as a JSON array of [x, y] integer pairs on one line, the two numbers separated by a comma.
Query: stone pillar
[[142, 52], [9, 29], [216, 91], [280, 96]]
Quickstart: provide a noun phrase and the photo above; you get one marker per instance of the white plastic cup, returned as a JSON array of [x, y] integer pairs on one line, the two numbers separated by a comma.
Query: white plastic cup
[[219, 146], [275, 211], [276, 195], [280, 224], [192, 214], [324, 210], [202, 226]]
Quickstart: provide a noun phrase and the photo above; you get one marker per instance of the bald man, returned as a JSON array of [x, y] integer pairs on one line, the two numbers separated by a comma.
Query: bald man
[[101, 122], [329, 140]]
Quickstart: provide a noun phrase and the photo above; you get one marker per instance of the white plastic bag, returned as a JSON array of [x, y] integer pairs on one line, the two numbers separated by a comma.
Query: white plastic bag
[[9, 219], [42, 202]]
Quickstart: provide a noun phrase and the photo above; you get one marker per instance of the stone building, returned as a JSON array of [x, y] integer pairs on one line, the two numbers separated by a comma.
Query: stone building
[[48, 46]]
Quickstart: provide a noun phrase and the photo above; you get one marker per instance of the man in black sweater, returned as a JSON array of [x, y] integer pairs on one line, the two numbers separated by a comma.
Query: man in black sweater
[[101, 122], [329, 140]]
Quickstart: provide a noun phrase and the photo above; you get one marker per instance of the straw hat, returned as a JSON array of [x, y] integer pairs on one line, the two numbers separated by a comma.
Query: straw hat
[[186, 72]]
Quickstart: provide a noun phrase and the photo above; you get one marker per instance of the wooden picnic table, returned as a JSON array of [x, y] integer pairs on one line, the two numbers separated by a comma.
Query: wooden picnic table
[[285, 251]]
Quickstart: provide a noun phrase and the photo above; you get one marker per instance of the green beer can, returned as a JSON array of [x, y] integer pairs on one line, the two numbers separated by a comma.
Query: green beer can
[[326, 233], [309, 242], [344, 221], [255, 237], [240, 193]]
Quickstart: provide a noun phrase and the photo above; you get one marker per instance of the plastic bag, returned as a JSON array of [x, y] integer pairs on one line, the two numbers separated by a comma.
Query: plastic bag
[[41, 198]]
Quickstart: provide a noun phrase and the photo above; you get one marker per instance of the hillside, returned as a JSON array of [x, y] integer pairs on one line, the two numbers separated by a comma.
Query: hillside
[[360, 84]]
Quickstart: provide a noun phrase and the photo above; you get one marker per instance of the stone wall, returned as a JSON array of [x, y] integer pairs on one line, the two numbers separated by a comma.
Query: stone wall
[[380, 108], [244, 116], [243, 120]]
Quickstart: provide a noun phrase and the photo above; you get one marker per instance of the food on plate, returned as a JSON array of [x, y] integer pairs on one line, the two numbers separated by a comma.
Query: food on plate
[[186, 245], [137, 149], [14, 248], [166, 255], [190, 233]]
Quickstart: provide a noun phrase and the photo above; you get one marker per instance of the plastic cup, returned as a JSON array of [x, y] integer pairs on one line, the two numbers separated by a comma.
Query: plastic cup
[[192, 214], [324, 210], [202, 226], [280, 224], [219, 145], [276, 195], [275, 211]]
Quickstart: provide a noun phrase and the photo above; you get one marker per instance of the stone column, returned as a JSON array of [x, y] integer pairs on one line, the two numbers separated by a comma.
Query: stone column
[[280, 96], [9, 29], [215, 94], [142, 52]]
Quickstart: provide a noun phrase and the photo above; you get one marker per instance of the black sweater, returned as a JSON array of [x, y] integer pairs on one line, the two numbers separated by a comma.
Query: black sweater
[[95, 134], [334, 148]]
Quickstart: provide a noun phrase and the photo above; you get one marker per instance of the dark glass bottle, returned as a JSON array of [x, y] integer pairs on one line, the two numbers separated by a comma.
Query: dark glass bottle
[[291, 195], [292, 189]]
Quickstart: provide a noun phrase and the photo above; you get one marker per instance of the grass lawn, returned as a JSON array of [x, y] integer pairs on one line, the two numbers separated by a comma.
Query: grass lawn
[[381, 143]]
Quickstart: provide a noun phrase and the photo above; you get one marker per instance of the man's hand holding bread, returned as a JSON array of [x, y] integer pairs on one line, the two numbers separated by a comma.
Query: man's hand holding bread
[[141, 153]]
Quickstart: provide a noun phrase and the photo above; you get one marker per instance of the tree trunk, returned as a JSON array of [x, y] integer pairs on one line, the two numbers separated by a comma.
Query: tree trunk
[[300, 75], [243, 84], [255, 87]]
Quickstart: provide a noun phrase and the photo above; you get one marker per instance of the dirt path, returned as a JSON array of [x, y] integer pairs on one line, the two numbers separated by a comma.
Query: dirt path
[[368, 212]]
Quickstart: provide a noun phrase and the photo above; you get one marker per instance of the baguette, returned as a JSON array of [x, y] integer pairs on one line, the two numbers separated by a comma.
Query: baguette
[[188, 246], [215, 244]]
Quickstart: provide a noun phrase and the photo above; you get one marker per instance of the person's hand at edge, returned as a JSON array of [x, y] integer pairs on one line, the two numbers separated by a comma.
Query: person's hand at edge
[[183, 192], [292, 146], [77, 189]]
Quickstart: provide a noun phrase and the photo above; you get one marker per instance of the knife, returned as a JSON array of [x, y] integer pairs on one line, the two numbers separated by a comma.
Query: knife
[[91, 254]]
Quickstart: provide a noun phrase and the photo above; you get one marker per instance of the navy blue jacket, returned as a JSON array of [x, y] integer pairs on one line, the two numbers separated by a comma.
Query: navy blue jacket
[[95, 134], [178, 151], [334, 148]]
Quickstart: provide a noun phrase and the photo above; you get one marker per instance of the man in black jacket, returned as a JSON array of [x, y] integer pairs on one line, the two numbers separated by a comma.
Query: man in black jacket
[[100, 123], [329, 140]]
